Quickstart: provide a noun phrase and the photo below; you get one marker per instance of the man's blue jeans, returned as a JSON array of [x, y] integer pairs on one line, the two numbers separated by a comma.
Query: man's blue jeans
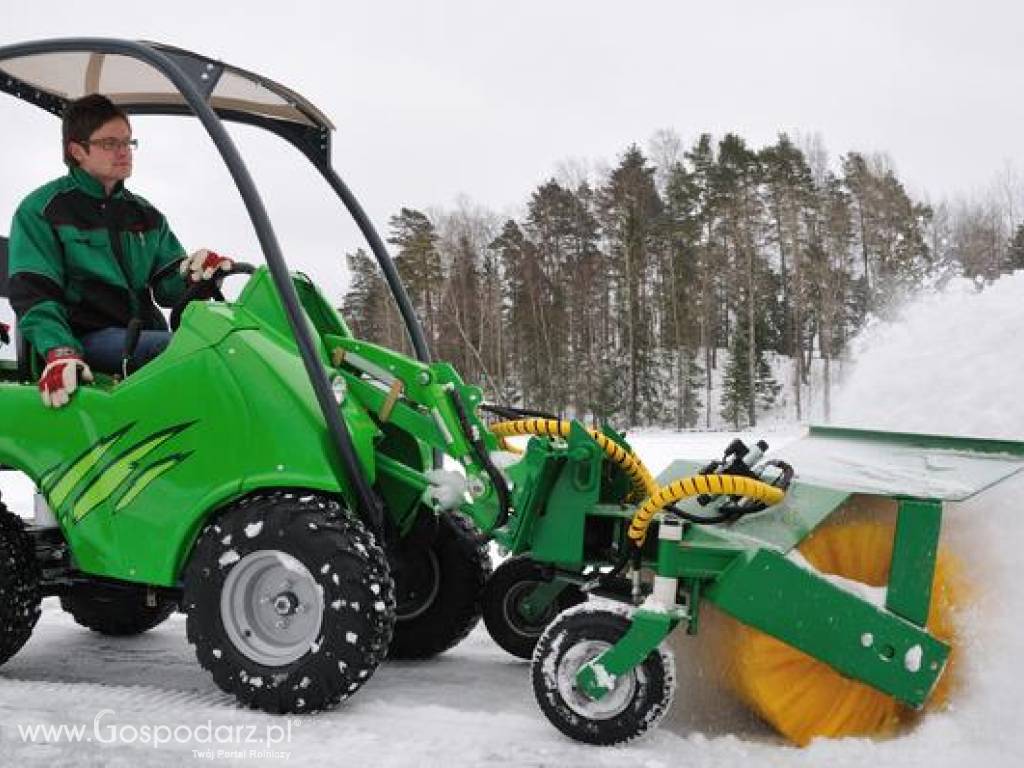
[[104, 349]]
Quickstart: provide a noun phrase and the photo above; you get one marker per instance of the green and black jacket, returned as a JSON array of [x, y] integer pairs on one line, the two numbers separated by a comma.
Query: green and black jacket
[[81, 261]]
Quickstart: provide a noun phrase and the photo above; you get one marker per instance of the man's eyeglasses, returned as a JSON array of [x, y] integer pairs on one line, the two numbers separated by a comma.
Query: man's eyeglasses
[[110, 144]]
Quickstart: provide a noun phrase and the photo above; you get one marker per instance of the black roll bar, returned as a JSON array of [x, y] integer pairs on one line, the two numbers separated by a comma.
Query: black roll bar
[[387, 266]]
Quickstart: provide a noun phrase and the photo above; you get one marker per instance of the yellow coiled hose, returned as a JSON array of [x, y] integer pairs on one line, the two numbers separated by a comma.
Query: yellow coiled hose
[[643, 481], [715, 485], [644, 484]]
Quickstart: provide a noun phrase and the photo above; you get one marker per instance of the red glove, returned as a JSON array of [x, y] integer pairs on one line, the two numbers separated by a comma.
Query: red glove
[[60, 376], [203, 264], [5, 333]]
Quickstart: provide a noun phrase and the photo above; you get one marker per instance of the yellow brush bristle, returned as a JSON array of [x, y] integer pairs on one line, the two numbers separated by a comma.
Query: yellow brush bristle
[[804, 698]]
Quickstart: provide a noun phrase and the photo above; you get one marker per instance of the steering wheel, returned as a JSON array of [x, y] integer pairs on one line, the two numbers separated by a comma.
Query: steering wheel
[[206, 289]]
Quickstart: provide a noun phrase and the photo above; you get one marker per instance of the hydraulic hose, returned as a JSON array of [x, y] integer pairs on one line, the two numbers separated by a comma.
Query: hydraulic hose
[[510, 412], [477, 444], [643, 481], [507, 446], [646, 487], [716, 485]]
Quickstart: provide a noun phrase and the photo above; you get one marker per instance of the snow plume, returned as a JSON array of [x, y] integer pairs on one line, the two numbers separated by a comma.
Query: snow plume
[[953, 364]]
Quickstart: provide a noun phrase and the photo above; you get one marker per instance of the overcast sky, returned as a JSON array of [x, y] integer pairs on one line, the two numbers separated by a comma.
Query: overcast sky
[[486, 99]]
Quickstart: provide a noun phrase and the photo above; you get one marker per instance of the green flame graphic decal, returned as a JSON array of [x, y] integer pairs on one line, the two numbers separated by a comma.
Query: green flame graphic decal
[[98, 474]]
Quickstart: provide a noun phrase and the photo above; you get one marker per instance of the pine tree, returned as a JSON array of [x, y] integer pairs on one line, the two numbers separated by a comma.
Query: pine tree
[[680, 269], [462, 310], [630, 209], [791, 194], [691, 405], [551, 222], [740, 399], [518, 262], [890, 229], [587, 292], [368, 307], [492, 323], [829, 276], [710, 259], [904, 259], [1015, 251], [419, 264], [738, 176]]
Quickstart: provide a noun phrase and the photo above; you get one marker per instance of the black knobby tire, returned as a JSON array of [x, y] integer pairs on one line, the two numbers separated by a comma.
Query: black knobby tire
[[510, 583], [343, 581], [19, 585], [438, 589], [115, 610], [637, 703]]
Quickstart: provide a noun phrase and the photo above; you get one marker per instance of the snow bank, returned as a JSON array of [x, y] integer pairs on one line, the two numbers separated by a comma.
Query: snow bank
[[953, 364]]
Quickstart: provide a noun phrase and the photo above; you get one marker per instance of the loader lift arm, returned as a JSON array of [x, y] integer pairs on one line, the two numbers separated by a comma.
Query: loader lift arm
[[430, 402]]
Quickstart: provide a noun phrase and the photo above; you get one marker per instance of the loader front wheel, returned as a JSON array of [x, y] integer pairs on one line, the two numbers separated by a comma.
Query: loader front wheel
[[503, 605], [639, 699], [438, 589], [289, 601], [19, 585]]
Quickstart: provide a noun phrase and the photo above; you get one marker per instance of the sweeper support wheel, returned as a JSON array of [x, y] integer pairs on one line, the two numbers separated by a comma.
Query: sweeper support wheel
[[636, 701]]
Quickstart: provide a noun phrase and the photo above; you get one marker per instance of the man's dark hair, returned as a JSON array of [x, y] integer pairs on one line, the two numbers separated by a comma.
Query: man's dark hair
[[83, 116]]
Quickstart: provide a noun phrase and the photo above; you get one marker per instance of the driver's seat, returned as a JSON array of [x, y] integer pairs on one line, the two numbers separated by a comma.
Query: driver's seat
[[23, 350]]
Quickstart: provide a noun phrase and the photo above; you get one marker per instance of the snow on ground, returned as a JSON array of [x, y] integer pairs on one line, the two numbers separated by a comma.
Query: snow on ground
[[951, 366]]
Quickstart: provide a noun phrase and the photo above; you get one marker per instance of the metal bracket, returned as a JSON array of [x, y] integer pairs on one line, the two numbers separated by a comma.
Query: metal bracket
[[912, 569]]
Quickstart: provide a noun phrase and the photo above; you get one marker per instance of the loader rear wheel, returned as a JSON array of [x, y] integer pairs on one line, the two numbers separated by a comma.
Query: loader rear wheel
[[509, 585], [438, 589], [637, 703], [802, 697], [289, 601], [19, 585], [115, 611]]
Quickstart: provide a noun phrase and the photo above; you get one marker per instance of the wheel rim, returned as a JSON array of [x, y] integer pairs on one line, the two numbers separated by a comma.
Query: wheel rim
[[613, 703], [271, 607], [417, 584], [514, 618]]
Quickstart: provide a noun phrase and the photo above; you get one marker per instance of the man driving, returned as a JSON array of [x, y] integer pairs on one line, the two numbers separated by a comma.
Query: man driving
[[88, 257]]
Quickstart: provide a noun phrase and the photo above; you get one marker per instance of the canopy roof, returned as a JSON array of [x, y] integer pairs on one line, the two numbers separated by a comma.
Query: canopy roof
[[52, 73]]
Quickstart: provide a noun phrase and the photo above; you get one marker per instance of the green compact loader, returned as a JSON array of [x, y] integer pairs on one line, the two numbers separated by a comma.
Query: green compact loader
[[307, 527], [290, 523]]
